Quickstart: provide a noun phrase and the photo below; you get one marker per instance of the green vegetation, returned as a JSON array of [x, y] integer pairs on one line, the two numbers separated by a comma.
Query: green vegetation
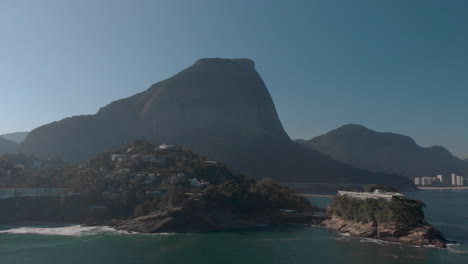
[[139, 178], [245, 195], [403, 211]]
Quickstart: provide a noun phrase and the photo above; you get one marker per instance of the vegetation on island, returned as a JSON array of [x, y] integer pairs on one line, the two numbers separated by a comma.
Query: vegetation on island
[[140, 178], [406, 212]]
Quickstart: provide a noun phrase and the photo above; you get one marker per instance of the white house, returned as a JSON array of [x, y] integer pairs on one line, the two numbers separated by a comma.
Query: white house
[[378, 193]]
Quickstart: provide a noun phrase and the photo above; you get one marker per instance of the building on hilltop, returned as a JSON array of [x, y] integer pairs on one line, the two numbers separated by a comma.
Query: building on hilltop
[[377, 194], [166, 146]]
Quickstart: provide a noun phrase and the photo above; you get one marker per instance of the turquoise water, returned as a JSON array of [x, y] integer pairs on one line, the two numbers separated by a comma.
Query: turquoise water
[[73, 244]]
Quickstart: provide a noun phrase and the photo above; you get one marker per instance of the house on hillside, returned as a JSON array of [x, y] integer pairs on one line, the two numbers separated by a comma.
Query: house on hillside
[[177, 178], [198, 183], [117, 157]]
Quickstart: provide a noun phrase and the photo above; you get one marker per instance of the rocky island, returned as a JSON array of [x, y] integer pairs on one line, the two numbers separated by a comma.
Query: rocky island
[[387, 216], [147, 188], [153, 188]]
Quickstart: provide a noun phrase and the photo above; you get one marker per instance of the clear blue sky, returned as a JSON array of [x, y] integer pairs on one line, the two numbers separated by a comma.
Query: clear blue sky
[[398, 66]]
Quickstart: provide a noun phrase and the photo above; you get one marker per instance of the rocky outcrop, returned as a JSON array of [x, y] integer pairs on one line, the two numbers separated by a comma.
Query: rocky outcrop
[[419, 235], [198, 217], [385, 152]]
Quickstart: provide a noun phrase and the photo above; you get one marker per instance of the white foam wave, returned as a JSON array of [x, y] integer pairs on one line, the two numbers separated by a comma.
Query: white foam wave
[[373, 240], [457, 248], [72, 230]]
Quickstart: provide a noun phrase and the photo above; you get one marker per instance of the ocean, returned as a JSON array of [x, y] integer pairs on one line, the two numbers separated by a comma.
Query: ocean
[[46, 244]]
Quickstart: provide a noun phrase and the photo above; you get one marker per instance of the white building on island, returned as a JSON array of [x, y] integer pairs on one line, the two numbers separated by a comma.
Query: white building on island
[[377, 194]]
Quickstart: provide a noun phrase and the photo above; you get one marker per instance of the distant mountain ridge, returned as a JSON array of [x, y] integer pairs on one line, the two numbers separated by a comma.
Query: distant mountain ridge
[[16, 137], [220, 108], [7, 146], [386, 152]]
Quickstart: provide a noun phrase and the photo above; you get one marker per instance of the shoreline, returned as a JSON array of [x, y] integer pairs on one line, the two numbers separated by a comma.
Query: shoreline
[[317, 195], [444, 188]]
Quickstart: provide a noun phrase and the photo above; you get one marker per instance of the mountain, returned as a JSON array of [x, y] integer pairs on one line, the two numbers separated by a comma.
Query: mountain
[[16, 137], [219, 108], [386, 152], [7, 146], [466, 160]]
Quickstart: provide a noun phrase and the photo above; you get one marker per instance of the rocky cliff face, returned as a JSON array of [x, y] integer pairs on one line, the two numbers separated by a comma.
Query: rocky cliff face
[[386, 152], [7, 146], [420, 235], [218, 107]]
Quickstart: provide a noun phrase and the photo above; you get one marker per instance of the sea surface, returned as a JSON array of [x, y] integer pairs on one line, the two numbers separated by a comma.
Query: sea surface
[[45, 244]]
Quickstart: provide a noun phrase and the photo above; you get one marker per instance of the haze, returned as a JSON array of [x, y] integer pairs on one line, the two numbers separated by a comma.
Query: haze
[[391, 66]]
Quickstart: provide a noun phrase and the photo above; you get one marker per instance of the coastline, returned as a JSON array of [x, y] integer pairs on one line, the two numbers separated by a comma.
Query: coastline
[[444, 188], [317, 195], [422, 234]]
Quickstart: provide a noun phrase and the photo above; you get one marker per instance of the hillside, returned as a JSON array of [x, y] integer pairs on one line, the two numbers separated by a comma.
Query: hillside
[[16, 137], [22, 171], [219, 108], [147, 188], [386, 152], [7, 146]]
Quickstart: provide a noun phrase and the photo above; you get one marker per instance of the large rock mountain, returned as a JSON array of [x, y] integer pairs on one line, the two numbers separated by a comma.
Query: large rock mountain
[[7, 146], [220, 108], [386, 152]]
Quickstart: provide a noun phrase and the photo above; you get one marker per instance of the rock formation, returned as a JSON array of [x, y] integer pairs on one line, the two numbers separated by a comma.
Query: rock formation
[[218, 107], [421, 235]]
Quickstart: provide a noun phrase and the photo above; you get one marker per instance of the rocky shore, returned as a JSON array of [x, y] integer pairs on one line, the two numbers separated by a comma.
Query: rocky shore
[[198, 217], [418, 235]]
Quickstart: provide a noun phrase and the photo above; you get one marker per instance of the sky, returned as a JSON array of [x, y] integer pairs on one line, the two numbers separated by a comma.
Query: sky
[[398, 66]]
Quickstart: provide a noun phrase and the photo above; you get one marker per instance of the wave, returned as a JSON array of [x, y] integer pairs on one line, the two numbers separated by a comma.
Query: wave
[[72, 230], [376, 241], [458, 249]]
